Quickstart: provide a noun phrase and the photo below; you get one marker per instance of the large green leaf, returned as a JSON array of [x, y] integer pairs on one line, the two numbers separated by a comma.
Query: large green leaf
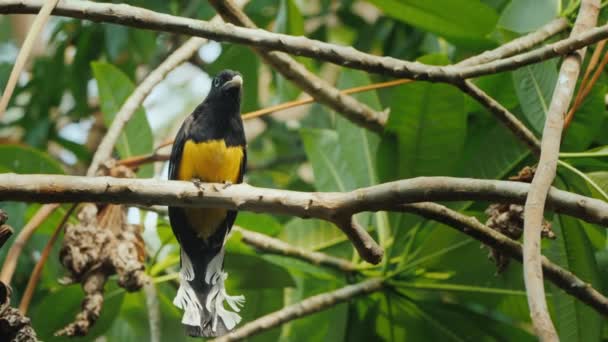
[[58, 308], [534, 86], [499, 157], [429, 124], [524, 16], [326, 325], [587, 122], [575, 321], [114, 89], [455, 19], [24, 159]]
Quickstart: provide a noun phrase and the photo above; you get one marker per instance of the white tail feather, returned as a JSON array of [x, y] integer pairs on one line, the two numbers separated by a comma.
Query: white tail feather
[[187, 299]]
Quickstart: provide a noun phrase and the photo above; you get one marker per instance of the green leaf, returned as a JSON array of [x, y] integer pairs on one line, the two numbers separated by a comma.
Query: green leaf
[[311, 234], [499, 158], [524, 16], [326, 325], [429, 123], [24, 159], [114, 89], [459, 20], [58, 308], [534, 86], [289, 21], [575, 321], [253, 272], [331, 171], [262, 223], [587, 122]]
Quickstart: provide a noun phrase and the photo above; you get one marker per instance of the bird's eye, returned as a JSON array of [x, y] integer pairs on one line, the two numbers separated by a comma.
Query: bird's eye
[[216, 82]]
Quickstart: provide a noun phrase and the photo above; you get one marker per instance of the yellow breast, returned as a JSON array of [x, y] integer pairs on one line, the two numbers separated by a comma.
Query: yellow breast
[[209, 161]]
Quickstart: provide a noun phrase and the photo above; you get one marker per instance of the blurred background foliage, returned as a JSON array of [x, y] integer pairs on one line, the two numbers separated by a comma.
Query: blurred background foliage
[[442, 284]]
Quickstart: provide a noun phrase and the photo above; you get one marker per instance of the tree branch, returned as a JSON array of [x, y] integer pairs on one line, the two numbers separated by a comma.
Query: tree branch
[[561, 277], [342, 55], [304, 308], [545, 173], [324, 205], [323, 92]]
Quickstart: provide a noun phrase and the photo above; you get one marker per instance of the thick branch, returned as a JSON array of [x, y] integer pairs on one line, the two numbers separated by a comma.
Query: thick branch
[[545, 173], [561, 277], [319, 89], [342, 55], [323, 205], [304, 308]]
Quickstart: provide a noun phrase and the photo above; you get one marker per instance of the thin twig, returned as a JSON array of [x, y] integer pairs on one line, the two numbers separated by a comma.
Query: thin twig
[[323, 205], [545, 173], [470, 226], [26, 48], [35, 276], [304, 308], [322, 91], [342, 55], [10, 263]]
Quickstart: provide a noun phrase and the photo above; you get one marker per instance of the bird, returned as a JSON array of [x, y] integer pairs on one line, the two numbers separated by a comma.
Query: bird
[[210, 146]]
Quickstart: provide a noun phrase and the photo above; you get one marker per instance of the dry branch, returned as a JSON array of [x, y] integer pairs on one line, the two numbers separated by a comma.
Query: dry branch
[[545, 173], [304, 308], [347, 56]]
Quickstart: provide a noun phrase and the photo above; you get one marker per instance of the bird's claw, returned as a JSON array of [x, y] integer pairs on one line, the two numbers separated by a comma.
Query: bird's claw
[[197, 182]]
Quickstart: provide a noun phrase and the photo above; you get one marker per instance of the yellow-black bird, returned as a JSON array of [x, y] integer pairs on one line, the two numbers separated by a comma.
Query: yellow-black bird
[[209, 147]]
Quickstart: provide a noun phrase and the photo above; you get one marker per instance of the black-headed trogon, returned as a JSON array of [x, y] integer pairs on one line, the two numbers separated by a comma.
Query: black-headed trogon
[[209, 147]]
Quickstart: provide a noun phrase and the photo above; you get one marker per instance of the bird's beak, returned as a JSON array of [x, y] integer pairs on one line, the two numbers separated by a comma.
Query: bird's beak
[[235, 82]]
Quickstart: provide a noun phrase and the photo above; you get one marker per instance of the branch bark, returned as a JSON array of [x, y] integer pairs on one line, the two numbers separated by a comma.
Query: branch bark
[[304, 308], [324, 205], [561, 277], [545, 173], [342, 55]]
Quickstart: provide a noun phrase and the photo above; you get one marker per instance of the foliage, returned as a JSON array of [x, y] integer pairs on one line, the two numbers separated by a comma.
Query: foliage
[[441, 284]]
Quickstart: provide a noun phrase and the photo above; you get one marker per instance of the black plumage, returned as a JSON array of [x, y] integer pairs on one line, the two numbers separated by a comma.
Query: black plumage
[[209, 147]]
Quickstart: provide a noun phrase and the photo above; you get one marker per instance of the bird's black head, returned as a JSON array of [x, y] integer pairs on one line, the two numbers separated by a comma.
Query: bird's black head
[[227, 86], [224, 98]]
